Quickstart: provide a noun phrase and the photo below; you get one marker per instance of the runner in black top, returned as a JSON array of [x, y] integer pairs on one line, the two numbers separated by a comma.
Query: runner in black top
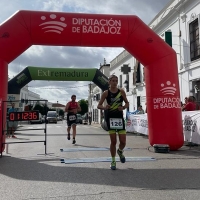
[[114, 118]]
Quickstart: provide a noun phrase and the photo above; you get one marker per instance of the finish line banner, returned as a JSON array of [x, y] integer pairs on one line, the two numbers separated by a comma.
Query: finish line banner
[[190, 119]]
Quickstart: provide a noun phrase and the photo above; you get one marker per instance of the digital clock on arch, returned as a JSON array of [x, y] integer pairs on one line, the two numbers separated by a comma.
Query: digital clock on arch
[[24, 116]]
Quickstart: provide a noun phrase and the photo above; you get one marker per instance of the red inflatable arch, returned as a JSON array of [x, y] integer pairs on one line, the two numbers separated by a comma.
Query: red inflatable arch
[[26, 28]]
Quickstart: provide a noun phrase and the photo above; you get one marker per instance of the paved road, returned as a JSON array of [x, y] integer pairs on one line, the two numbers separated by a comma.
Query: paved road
[[26, 173]]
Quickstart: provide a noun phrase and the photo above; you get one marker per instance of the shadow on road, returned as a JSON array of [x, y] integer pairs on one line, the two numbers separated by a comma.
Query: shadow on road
[[42, 170]]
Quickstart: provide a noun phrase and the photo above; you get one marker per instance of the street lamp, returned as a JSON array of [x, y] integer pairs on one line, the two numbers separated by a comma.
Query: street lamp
[[57, 108], [90, 98]]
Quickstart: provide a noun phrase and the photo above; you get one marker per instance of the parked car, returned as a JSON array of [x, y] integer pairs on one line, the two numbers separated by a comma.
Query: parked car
[[79, 119], [37, 121], [52, 117], [43, 118], [59, 118]]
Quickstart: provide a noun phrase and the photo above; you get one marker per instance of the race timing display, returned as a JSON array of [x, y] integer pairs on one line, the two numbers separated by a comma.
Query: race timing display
[[24, 116]]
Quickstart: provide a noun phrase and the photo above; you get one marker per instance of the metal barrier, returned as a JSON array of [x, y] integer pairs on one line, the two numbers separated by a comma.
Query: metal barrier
[[4, 131]]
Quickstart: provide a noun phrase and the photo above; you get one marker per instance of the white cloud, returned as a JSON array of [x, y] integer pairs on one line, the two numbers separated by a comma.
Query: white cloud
[[78, 57]]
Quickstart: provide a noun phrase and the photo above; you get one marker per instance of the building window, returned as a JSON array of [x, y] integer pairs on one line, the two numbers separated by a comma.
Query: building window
[[194, 40], [135, 72], [138, 101], [120, 81], [143, 74], [138, 75]]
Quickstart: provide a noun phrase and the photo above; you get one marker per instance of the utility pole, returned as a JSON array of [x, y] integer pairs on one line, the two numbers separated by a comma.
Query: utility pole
[[90, 99]]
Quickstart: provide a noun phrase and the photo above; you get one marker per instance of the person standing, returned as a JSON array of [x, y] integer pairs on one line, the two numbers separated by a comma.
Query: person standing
[[140, 110], [114, 119], [72, 108], [90, 118], [190, 105], [12, 125], [197, 105]]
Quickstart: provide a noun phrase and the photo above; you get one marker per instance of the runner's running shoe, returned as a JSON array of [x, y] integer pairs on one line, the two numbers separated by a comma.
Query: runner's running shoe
[[74, 141], [121, 156], [68, 136], [113, 165]]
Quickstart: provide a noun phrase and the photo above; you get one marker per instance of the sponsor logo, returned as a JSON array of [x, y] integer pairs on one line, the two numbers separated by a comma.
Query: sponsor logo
[[49, 73], [96, 26], [167, 89], [11, 98], [102, 80], [52, 24], [189, 124], [56, 24], [21, 78]]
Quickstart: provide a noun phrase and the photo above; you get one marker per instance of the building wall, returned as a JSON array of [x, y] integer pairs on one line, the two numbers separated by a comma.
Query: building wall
[[175, 17]]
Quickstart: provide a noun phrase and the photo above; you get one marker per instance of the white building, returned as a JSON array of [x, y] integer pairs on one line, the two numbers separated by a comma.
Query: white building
[[95, 94], [33, 98], [182, 19]]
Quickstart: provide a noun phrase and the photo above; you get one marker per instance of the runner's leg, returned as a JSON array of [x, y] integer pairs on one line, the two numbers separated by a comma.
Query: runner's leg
[[122, 140], [122, 144], [113, 142], [74, 133]]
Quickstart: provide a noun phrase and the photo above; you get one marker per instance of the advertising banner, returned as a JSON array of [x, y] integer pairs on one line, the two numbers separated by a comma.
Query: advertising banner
[[137, 123], [190, 120], [13, 98]]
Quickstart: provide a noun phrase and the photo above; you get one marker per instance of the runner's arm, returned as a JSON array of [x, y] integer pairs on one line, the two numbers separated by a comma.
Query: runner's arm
[[125, 99], [103, 97], [67, 107]]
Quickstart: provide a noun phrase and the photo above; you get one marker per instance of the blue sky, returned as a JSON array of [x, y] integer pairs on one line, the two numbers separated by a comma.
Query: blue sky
[[78, 57]]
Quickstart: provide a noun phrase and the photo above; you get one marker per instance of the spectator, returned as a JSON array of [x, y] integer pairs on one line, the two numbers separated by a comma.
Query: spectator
[[90, 118], [12, 125], [190, 105], [140, 110], [197, 105]]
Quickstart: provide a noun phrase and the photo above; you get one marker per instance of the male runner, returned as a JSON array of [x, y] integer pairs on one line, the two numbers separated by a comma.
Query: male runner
[[114, 119], [72, 108]]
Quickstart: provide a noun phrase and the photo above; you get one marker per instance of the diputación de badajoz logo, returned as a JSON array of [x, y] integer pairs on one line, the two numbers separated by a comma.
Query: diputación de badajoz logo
[[169, 89], [53, 24]]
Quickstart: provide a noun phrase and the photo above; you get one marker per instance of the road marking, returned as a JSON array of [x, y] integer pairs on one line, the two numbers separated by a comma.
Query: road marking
[[106, 159], [89, 149]]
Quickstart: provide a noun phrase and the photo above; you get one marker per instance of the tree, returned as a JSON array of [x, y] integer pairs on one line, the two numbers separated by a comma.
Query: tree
[[43, 109], [84, 106], [61, 113]]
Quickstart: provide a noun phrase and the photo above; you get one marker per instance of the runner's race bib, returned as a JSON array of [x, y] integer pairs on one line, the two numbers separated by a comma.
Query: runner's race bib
[[116, 123], [72, 117]]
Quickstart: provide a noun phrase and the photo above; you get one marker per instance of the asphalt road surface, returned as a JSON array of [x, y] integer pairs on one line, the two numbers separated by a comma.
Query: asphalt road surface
[[27, 173]]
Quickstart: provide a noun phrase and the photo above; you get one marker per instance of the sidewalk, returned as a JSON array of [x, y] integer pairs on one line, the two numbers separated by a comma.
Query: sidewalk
[[96, 124]]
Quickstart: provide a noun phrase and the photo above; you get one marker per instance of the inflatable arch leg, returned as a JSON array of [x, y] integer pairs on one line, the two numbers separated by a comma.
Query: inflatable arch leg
[[3, 97]]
